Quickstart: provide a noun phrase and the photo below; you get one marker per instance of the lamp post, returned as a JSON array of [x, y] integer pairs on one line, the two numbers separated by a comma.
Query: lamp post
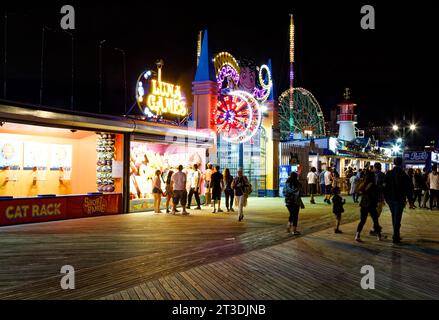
[[43, 37], [403, 126], [100, 74], [72, 94], [5, 47], [124, 76]]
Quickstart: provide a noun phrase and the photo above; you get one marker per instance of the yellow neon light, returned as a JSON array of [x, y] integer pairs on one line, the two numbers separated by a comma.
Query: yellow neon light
[[166, 98]]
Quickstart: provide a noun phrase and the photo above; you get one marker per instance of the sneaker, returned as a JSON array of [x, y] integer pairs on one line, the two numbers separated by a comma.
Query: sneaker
[[337, 231], [296, 233], [312, 202], [372, 233], [220, 210], [214, 211], [357, 237], [241, 216], [379, 237], [188, 207], [231, 210], [167, 211]]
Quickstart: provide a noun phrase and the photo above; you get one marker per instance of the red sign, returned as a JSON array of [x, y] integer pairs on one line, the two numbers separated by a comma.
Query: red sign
[[18, 211]]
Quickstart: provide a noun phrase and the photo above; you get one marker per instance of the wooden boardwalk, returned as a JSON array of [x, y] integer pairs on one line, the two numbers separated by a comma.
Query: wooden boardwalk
[[321, 265], [207, 256]]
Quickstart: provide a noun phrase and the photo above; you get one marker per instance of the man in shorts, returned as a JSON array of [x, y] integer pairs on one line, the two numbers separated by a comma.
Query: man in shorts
[[328, 185], [180, 194]]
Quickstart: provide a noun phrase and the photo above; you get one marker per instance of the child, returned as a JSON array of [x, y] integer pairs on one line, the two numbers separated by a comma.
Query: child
[[337, 208]]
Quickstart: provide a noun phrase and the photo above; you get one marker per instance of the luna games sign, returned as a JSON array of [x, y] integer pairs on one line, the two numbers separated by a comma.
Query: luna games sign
[[157, 98]]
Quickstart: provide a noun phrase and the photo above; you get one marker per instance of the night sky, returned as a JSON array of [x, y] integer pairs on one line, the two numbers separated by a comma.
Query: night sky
[[389, 69]]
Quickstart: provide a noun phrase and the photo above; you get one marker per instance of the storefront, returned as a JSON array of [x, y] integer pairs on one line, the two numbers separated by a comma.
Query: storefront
[[327, 152], [148, 155], [420, 159], [49, 173], [55, 165]]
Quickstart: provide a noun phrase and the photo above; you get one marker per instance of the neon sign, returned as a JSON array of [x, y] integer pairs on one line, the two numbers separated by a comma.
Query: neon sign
[[159, 99]]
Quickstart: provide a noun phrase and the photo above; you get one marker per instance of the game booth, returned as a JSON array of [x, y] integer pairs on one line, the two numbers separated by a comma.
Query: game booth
[[52, 173], [56, 165]]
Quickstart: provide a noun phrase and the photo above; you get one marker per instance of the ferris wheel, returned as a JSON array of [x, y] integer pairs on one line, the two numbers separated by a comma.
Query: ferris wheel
[[237, 116], [305, 118]]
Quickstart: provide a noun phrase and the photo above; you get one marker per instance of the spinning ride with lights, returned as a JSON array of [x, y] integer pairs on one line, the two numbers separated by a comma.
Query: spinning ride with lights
[[237, 115]]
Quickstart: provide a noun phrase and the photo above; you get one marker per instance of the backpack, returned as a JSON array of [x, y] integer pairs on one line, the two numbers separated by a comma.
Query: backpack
[[248, 189], [292, 195]]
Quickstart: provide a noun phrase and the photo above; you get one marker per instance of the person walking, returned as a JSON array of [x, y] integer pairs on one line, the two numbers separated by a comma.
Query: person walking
[[157, 190], [396, 192], [337, 208], [169, 190], [354, 185], [425, 187], [228, 191], [328, 185], [293, 201], [418, 182], [217, 181], [180, 194], [433, 183], [207, 184], [411, 174], [349, 174], [241, 186], [322, 182], [312, 184], [368, 204], [380, 178], [195, 181]]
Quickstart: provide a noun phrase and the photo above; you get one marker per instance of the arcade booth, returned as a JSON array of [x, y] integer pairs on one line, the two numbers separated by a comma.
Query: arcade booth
[[147, 156], [50, 173]]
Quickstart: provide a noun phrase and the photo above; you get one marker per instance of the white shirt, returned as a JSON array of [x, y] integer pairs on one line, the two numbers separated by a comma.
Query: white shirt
[[195, 179], [434, 181], [179, 181], [156, 183], [312, 178], [328, 179]]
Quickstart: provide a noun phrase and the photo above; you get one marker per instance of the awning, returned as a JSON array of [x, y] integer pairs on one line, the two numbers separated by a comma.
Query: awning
[[100, 122]]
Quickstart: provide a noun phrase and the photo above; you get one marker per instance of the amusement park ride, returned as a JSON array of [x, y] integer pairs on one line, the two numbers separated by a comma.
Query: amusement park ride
[[300, 115]]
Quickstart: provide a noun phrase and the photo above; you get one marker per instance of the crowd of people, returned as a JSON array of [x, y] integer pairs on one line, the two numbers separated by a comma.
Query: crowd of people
[[181, 188], [372, 189]]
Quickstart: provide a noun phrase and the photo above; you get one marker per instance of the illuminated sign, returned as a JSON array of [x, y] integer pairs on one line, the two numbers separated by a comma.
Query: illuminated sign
[[159, 99]]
